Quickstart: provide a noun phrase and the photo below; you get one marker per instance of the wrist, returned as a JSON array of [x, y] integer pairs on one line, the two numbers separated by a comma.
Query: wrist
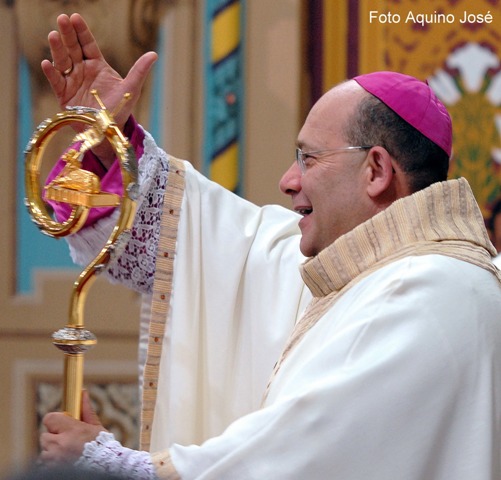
[[105, 153]]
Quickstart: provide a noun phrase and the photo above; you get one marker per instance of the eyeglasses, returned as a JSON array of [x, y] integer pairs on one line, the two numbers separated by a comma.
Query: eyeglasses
[[301, 157]]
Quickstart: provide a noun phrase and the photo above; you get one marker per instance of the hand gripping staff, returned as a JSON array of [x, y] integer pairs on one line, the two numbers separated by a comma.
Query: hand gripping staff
[[82, 190]]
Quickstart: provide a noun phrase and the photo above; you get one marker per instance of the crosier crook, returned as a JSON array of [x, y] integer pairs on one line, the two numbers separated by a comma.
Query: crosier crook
[[82, 190]]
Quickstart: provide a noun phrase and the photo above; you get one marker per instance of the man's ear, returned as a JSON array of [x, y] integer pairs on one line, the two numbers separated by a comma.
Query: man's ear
[[380, 173]]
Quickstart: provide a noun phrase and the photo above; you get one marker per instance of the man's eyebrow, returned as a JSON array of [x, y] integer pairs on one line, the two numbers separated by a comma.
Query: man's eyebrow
[[303, 145]]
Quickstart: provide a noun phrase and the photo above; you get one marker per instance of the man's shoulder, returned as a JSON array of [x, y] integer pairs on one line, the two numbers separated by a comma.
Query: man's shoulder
[[431, 276]]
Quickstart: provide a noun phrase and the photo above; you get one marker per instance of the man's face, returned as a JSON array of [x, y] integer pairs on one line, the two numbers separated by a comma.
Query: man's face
[[330, 194]]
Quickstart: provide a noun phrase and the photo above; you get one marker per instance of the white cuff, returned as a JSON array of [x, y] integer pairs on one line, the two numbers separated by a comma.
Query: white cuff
[[105, 454]]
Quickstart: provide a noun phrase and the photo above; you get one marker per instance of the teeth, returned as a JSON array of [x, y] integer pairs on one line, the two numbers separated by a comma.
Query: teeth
[[303, 211]]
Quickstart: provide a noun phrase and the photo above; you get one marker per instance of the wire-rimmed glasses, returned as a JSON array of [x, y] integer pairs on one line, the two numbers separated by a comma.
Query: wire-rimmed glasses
[[302, 156]]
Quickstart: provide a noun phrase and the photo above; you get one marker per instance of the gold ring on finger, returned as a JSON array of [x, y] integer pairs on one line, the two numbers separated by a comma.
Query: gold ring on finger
[[68, 70]]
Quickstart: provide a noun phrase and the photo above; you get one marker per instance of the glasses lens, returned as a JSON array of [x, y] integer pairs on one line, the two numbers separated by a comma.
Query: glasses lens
[[299, 159]]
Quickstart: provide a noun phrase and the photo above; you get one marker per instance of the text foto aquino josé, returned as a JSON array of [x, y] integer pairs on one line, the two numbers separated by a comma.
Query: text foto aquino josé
[[429, 18]]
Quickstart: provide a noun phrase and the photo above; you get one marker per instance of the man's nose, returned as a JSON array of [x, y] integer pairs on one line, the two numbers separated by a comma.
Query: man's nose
[[290, 183]]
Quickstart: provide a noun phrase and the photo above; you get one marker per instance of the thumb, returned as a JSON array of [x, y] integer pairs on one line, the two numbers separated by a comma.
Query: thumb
[[133, 83], [139, 72], [88, 413]]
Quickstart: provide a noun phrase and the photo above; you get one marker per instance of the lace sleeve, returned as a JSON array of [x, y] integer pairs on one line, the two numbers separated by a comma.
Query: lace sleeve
[[107, 455], [135, 266]]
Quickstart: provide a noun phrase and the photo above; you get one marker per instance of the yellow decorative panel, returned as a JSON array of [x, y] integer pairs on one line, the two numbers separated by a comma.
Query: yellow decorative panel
[[224, 167], [417, 36], [455, 46], [335, 33], [226, 32]]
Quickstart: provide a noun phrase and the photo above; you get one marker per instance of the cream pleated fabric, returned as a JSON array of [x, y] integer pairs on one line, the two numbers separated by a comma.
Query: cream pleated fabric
[[379, 358], [237, 293], [397, 373]]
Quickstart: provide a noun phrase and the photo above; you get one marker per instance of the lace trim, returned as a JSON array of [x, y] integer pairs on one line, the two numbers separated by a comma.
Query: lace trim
[[135, 266], [105, 454]]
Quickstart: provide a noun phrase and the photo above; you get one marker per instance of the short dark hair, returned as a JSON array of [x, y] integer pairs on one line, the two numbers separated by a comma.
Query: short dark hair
[[422, 160]]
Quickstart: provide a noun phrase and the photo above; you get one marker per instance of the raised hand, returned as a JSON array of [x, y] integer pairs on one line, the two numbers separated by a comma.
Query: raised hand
[[78, 67]]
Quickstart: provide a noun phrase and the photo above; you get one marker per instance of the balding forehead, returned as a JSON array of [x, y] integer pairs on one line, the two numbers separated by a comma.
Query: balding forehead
[[327, 122]]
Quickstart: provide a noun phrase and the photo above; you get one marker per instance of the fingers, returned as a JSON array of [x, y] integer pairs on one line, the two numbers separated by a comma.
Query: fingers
[[79, 67], [62, 62], [88, 414], [51, 449], [88, 47], [57, 422], [58, 43], [69, 52], [72, 43], [55, 78], [76, 62], [60, 448], [66, 437]]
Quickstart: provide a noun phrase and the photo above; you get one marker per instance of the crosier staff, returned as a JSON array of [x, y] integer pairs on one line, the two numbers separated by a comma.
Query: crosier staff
[[82, 190]]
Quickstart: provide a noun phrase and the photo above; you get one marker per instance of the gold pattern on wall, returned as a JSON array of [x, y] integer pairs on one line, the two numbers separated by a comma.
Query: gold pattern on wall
[[455, 45], [116, 403]]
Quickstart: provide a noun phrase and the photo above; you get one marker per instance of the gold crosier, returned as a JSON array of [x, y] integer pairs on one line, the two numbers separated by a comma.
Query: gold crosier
[[82, 190]]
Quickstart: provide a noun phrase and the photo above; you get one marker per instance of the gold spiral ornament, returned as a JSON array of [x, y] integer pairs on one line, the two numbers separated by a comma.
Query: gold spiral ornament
[[80, 189]]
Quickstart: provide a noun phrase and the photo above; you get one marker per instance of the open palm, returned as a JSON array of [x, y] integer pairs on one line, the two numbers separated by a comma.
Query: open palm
[[75, 50]]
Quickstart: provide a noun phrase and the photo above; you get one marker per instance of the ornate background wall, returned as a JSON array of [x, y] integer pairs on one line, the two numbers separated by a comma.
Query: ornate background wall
[[282, 56]]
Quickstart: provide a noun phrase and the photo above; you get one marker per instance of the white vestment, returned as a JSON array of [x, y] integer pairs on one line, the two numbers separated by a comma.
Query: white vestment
[[394, 370]]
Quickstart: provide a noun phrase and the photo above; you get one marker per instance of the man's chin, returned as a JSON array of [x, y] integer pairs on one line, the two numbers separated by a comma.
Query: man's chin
[[306, 248]]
